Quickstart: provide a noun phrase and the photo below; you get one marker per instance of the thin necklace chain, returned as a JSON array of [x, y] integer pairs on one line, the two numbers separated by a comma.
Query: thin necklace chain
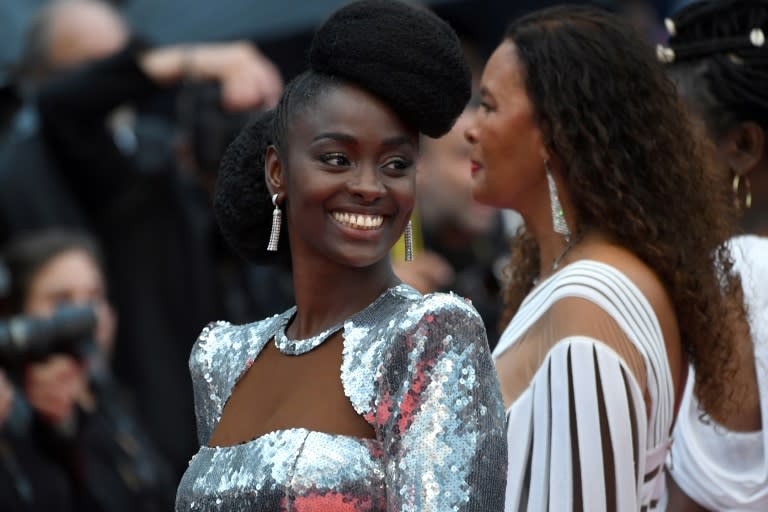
[[297, 347], [556, 262], [573, 241]]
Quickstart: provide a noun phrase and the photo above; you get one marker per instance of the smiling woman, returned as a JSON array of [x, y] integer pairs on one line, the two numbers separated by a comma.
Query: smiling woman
[[366, 395], [349, 173]]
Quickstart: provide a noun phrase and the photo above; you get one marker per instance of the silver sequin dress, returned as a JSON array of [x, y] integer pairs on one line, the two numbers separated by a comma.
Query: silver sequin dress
[[417, 368]]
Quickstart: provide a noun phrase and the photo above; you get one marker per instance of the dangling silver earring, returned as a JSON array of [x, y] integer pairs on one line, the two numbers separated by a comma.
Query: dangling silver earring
[[409, 241], [274, 235], [558, 215]]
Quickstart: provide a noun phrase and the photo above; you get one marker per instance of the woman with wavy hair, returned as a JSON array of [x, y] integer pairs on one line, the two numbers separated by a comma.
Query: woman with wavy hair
[[717, 56], [618, 277]]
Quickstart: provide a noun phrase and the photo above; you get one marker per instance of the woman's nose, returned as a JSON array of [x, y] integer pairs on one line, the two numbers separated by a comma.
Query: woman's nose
[[470, 133], [366, 183]]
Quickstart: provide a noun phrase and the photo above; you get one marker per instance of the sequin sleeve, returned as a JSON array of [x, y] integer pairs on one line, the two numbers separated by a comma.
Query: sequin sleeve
[[197, 368], [440, 413], [200, 366]]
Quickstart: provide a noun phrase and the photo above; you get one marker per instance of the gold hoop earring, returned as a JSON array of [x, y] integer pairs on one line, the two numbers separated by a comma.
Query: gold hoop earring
[[748, 189]]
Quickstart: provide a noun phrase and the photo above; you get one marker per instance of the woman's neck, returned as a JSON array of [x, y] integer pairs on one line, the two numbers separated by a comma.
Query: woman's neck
[[326, 295], [553, 247]]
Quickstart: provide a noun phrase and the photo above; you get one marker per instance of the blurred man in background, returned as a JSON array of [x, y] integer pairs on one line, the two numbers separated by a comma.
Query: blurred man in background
[[63, 35], [461, 240]]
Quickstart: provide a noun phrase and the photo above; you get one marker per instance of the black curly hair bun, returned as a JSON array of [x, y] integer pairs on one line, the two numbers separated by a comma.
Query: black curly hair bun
[[241, 203], [404, 54]]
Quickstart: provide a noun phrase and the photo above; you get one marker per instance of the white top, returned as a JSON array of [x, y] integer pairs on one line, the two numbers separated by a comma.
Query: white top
[[581, 430], [720, 469]]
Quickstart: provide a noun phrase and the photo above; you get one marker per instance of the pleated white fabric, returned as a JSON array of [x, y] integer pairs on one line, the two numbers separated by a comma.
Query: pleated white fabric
[[581, 435], [720, 469]]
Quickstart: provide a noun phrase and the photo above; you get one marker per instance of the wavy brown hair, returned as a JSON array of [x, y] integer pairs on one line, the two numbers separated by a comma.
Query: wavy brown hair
[[635, 170]]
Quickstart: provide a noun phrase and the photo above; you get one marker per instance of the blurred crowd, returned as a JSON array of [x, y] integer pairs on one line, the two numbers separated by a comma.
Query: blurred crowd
[[109, 148]]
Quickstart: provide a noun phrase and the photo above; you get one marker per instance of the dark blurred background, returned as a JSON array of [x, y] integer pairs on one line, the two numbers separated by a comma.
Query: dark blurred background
[[285, 25]]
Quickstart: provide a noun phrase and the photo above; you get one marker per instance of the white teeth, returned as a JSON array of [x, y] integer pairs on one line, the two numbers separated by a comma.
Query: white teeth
[[358, 220]]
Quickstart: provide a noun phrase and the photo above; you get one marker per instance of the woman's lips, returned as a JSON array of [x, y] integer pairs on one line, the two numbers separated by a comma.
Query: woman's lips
[[475, 167]]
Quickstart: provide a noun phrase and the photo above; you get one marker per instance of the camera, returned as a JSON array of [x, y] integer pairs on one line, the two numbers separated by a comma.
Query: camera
[[24, 339], [206, 126]]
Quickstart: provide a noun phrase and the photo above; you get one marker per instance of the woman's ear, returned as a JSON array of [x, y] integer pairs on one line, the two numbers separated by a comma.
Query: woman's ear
[[743, 147], [273, 171]]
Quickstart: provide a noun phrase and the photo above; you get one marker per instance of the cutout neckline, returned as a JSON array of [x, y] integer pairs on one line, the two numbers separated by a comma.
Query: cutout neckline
[[282, 320], [296, 347]]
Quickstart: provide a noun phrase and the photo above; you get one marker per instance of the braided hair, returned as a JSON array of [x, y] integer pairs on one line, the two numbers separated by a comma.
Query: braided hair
[[403, 54], [718, 54]]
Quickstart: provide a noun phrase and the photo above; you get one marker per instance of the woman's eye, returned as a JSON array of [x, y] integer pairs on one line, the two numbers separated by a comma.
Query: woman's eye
[[486, 107], [399, 164], [337, 159]]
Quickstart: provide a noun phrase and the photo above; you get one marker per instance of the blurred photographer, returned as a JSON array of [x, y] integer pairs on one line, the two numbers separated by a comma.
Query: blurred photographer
[[82, 421], [62, 35], [50, 270], [29, 480], [150, 202]]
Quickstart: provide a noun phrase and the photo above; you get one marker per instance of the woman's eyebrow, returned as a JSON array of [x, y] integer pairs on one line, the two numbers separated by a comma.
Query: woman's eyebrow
[[342, 137], [398, 140]]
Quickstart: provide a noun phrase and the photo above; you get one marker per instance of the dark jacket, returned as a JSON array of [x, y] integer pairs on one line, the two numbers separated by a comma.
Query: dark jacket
[[169, 271]]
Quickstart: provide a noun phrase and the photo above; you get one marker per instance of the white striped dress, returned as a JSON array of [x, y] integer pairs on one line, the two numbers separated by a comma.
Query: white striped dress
[[582, 433], [718, 468]]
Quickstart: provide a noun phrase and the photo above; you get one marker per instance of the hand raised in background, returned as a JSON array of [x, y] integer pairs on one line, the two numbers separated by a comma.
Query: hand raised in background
[[248, 79]]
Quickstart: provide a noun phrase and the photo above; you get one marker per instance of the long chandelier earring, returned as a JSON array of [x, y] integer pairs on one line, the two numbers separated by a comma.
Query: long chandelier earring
[[277, 216], [747, 186], [558, 215], [408, 235]]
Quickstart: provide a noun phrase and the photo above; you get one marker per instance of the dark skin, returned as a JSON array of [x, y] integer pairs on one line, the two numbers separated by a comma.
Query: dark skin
[[679, 501], [743, 149], [348, 153]]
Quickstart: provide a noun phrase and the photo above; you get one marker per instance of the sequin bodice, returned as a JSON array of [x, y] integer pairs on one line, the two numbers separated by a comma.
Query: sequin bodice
[[277, 472], [416, 368]]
